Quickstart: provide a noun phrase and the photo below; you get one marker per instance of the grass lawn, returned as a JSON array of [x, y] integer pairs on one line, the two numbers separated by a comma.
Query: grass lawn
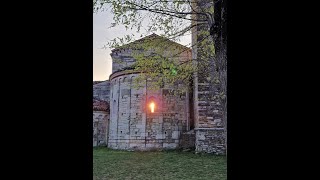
[[111, 164]]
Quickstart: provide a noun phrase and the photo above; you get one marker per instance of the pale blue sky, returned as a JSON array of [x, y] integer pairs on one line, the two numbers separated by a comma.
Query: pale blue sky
[[102, 63]]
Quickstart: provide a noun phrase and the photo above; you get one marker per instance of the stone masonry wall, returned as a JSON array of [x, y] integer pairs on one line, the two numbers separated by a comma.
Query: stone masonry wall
[[207, 109], [100, 128], [102, 90], [122, 57], [210, 141], [133, 126], [187, 140]]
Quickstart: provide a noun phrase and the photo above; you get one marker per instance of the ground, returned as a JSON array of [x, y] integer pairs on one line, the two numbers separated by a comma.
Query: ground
[[111, 164]]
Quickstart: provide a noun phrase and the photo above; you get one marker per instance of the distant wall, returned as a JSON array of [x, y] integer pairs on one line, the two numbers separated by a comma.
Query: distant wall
[[100, 128], [101, 91]]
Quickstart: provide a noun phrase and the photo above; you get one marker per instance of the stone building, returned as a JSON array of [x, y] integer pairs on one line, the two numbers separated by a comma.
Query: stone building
[[101, 112], [133, 123], [101, 90], [174, 121], [101, 116], [209, 128]]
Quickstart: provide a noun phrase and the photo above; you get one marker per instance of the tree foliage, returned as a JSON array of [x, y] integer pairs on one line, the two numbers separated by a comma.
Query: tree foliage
[[172, 18], [175, 18]]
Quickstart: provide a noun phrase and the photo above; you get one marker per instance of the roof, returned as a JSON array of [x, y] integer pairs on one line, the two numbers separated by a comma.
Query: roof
[[97, 82], [100, 105], [150, 38]]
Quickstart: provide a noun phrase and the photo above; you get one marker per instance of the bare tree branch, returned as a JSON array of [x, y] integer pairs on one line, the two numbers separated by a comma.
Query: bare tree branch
[[165, 12]]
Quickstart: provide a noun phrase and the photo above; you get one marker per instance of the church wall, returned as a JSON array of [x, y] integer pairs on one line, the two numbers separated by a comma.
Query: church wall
[[133, 126]]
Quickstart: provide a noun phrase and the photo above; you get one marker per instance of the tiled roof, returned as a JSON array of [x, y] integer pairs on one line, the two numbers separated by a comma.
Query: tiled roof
[[100, 105]]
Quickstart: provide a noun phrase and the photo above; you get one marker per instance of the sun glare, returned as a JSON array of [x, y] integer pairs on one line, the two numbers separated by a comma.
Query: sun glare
[[152, 105]]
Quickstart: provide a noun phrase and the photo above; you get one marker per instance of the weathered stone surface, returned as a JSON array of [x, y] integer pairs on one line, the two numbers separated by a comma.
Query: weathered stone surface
[[207, 108], [130, 113], [100, 128], [187, 140], [101, 90], [210, 141], [133, 127]]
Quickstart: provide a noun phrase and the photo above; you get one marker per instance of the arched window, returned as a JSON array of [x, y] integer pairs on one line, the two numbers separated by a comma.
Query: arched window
[[132, 81], [152, 105]]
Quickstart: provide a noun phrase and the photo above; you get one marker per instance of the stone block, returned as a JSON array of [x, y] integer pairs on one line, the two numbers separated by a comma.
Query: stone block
[[175, 134]]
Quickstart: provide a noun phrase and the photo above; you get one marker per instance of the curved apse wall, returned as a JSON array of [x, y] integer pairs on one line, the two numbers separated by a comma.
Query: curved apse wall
[[134, 126]]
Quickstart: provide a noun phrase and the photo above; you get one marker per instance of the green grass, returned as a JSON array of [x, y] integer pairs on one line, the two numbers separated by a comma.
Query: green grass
[[111, 164]]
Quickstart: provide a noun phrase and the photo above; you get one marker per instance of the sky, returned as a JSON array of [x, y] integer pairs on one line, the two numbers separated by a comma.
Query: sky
[[102, 62]]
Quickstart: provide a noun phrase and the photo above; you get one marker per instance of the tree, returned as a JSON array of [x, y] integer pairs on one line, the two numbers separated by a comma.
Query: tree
[[177, 18]]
